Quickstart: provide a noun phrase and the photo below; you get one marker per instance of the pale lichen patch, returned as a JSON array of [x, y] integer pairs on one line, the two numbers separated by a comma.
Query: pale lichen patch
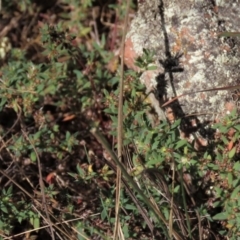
[[191, 27]]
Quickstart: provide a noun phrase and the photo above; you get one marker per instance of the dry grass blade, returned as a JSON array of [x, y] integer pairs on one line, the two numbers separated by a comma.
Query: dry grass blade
[[206, 90], [120, 129], [229, 34], [41, 183], [159, 216], [141, 210], [31, 197], [156, 178], [172, 203], [43, 227]]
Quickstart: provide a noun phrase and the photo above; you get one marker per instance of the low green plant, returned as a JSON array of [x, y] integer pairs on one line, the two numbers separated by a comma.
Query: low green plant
[[11, 211], [194, 191], [214, 170]]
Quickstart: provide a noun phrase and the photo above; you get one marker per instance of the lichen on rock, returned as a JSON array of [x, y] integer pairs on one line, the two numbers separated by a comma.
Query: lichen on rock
[[189, 53]]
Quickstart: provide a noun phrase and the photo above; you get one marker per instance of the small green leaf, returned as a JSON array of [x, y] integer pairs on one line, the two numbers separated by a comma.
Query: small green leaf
[[130, 206], [181, 143], [237, 127], [176, 189], [235, 193], [51, 89], [217, 204], [20, 219], [33, 156], [36, 223], [230, 179], [103, 214], [68, 135], [4, 209], [80, 171], [236, 166], [232, 152], [155, 145], [221, 216], [36, 136], [152, 67], [3, 102], [224, 139]]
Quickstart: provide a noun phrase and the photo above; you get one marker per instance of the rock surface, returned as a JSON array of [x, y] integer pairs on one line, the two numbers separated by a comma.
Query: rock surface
[[189, 53]]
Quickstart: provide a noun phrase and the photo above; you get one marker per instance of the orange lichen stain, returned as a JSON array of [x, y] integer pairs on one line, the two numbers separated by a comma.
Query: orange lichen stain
[[187, 84], [178, 43], [185, 33], [207, 55], [202, 42], [212, 34], [187, 58], [130, 55], [173, 30], [177, 48], [202, 96], [225, 48], [215, 9], [207, 15]]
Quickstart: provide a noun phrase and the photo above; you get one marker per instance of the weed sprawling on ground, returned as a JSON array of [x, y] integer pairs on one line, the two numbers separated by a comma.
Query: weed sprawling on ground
[[58, 80]]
